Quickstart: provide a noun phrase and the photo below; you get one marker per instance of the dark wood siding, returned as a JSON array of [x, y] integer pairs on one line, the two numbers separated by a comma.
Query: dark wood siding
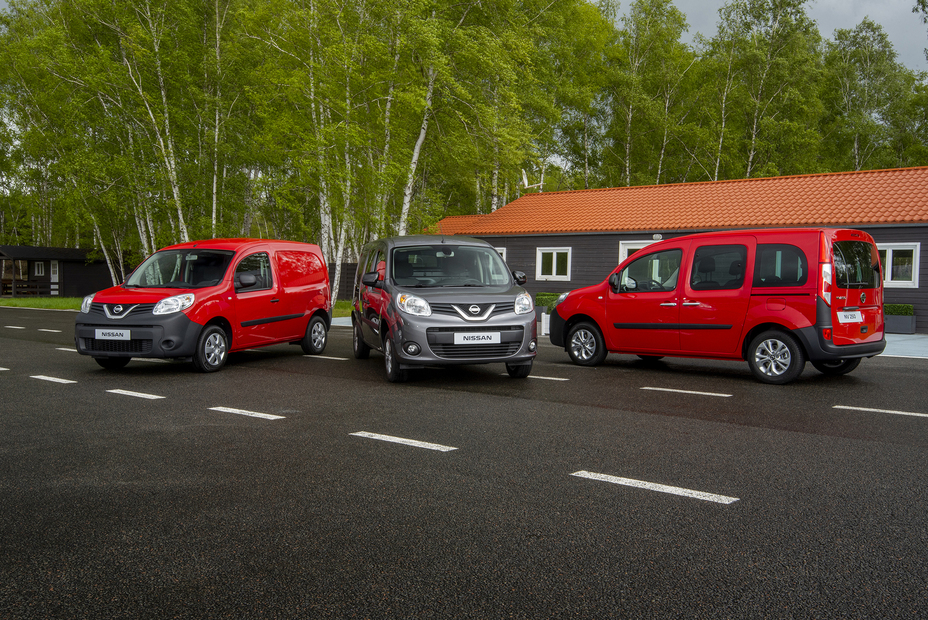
[[918, 297]]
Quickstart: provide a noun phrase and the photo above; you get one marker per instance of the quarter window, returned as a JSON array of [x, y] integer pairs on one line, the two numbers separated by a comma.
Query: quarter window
[[718, 267], [900, 264], [780, 264], [552, 264]]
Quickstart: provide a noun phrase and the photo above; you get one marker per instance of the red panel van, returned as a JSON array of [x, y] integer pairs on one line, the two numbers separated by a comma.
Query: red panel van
[[203, 299], [774, 297]]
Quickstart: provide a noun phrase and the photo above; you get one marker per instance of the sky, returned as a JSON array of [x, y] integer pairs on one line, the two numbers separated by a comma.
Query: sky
[[905, 28]]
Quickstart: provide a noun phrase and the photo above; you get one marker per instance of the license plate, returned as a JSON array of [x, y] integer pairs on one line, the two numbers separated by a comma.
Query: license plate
[[849, 316], [112, 334], [477, 338]]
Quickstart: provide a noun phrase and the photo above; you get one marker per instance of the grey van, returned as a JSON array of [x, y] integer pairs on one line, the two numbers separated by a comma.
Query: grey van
[[430, 300]]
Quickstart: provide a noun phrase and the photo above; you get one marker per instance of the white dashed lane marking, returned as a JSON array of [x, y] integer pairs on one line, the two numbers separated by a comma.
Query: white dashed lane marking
[[909, 413], [660, 488], [405, 442], [326, 357], [66, 349], [657, 389], [135, 394], [51, 331], [52, 379], [253, 414], [14, 327]]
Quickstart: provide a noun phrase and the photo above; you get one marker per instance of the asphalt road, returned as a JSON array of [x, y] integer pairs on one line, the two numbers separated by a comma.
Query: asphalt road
[[575, 493]]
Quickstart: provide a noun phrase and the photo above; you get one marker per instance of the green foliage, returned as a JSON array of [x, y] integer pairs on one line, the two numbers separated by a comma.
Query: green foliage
[[899, 309], [546, 299]]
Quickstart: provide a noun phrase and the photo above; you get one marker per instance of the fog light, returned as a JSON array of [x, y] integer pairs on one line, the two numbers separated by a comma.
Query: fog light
[[167, 344], [532, 345], [411, 348], [826, 334]]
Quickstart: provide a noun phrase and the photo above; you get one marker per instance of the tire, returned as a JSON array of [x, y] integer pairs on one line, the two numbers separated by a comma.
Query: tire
[[585, 345], [112, 363], [519, 371], [837, 367], [361, 350], [775, 357], [316, 337], [391, 364], [212, 349]]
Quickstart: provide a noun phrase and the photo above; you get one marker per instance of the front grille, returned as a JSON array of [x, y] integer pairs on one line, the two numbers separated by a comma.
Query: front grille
[[475, 351], [448, 309], [136, 311], [92, 345]]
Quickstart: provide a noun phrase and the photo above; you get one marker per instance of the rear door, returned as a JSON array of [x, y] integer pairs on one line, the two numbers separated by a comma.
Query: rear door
[[716, 295], [857, 306], [257, 307], [644, 314]]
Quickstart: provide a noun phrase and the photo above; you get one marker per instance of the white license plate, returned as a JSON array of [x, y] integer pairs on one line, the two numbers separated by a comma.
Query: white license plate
[[477, 338], [112, 334], [849, 316]]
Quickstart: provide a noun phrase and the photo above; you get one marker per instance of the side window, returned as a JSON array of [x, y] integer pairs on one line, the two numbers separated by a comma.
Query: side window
[[257, 266], [655, 272], [718, 267], [780, 264]]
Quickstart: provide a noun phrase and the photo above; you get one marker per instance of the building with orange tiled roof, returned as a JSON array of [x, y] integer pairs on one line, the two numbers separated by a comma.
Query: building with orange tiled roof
[[565, 240]]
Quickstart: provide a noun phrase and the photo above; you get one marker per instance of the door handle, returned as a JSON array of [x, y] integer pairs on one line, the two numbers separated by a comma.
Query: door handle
[[275, 300], [669, 303], [691, 303]]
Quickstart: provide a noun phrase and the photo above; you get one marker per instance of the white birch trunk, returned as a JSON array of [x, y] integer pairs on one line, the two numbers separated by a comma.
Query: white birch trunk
[[411, 178]]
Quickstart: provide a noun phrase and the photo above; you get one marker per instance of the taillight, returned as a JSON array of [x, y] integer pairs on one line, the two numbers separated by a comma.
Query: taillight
[[826, 279]]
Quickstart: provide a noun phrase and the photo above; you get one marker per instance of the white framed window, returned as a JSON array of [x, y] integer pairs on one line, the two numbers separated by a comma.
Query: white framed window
[[39, 269], [552, 264], [900, 264], [502, 252], [627, 248]]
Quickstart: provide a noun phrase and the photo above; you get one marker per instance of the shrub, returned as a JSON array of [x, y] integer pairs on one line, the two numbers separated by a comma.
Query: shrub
[[899, 309], [546, 299]]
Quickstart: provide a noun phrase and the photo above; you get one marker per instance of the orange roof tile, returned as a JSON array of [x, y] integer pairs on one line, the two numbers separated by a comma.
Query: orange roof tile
[[834, 199]]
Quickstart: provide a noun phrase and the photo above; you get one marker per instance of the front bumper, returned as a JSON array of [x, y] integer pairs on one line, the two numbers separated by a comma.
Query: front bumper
[[434, 336], [169, 336]]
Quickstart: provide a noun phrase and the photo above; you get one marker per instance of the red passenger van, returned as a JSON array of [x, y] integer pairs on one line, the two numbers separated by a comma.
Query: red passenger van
[[774, 297], [201, 300]]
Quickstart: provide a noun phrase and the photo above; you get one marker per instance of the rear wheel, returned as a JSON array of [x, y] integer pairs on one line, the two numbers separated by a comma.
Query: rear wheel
[[837, 367], [361, 350], [314, 341], [391, 364], [775, 357], [585, 344], [519, 371], [112, 363], [212, 349]]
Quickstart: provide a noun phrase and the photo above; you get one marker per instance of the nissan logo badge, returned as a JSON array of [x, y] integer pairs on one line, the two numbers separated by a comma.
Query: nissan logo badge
[[118, 309], [474, 309]]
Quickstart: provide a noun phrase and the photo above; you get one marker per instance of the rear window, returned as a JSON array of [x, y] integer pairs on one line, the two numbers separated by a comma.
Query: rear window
[[854, 265], [780, 264]]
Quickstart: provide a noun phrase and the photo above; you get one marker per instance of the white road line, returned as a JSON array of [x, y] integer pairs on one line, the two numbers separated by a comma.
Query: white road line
[[52, 379], [2, 369], [406, 442], [66, 349], [657, 389], [661, 488], [252, 414], [917, 415], [136, 394], [326, 357], [506, 374], [51, 331], [13, 327]]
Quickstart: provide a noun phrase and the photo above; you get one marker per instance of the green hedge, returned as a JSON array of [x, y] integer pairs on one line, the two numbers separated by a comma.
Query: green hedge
[[899, 309], [546, 299]]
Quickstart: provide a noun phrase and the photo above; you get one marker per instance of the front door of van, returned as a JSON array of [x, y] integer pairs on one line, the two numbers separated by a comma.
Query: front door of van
[[373, 298], [642, 316], [716, 295]]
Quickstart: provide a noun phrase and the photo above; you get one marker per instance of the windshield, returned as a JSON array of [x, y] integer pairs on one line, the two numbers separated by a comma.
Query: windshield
[[854, 262], [448, 265], [181, 269]]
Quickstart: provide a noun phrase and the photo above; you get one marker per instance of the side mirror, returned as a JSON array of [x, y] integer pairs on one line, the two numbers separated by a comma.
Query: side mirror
[[614, 282], [520, 277], [247, 280], [370, 279], [630, 284]]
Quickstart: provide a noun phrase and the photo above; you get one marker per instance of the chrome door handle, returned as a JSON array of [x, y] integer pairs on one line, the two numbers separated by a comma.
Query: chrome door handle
[[691, 303], [669, 303]]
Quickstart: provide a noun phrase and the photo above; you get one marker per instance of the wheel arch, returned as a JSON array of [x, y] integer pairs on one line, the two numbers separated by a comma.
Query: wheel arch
[[762, 327], [226, 326], [580, 318]]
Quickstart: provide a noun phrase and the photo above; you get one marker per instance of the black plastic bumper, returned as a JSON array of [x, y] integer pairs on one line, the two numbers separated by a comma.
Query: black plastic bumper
[[820, 349], [556, 329], [170, 336]]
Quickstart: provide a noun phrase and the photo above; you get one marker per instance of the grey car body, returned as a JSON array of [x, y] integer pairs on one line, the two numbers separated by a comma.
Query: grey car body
[[429, 300]]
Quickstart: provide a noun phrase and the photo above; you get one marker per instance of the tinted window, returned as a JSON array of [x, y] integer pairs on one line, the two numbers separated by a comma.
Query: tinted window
[[655, 272], [448, 265], [258, 265], [854, 265], [780, 265], [181, 269], [718, 267]]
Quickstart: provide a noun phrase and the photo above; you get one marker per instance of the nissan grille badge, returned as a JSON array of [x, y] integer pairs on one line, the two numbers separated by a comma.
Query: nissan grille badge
[[474, 309], [118, 309]]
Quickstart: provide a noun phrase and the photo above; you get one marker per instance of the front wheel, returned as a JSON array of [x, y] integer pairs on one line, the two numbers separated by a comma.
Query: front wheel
[[212, 349], [519, 371], [775, 357], [837, 367], [112, 363], [314, 341], [391, 364], [585, 345], [361, 350]]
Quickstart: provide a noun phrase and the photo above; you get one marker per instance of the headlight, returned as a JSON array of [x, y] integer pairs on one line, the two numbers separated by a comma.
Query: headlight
[[560, 298], [85, 305], [524, 304], [174, 304], [410, 304]]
